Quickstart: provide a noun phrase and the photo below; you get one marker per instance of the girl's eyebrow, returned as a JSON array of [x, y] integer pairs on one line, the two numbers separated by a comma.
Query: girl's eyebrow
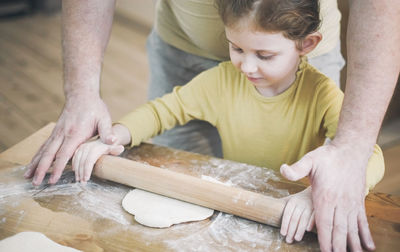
[[258, 51], [231, 42]]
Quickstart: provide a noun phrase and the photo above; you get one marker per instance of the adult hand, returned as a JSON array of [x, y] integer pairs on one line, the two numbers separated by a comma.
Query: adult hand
[[337, 174], [80, 119]]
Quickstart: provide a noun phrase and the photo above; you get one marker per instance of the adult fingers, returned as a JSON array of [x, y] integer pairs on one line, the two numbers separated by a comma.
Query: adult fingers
[[339, 234], [324, 220], [67, 149], [45, 160], [353, 238], [298, 170], [294, 221], [31, 167], [311, 222], [365, 233], [105, 130]]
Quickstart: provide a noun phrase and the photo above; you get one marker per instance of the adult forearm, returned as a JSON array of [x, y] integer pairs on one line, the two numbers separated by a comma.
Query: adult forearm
[[86, 27], [373, 50]]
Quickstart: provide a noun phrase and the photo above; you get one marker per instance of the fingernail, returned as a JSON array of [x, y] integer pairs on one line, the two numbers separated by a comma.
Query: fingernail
[[112, 139], [35, 181], [52, 180], [371, 245]]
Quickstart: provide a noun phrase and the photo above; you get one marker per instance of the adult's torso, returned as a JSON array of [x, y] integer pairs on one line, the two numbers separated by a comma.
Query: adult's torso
[[194, 26]]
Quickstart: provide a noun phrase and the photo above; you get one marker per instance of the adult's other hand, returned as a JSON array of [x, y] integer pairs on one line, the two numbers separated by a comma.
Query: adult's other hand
[[337, 175], [82, 117]]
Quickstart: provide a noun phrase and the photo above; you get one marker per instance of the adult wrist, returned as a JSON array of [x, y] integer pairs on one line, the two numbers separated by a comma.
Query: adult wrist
[[354, 141], [76, 92], [83, 83]]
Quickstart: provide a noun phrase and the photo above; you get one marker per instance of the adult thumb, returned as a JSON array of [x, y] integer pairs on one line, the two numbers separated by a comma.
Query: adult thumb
[[105, 131], [298, 170]]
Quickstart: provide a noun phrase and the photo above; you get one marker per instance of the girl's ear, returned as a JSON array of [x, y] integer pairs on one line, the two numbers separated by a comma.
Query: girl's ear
[[310, 42]]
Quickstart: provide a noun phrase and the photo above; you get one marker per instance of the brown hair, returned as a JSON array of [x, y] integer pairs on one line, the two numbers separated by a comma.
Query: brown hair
[[294, 18]]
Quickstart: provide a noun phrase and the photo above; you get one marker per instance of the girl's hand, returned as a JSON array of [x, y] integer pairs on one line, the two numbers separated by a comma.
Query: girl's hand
[[298, 216], [87, 154]]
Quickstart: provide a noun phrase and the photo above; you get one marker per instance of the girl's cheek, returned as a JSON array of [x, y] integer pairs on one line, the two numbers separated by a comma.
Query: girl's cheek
[[235, 61]]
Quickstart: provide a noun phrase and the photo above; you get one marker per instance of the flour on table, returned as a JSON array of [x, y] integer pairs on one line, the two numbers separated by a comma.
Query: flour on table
[[154, 210], [32, 241]]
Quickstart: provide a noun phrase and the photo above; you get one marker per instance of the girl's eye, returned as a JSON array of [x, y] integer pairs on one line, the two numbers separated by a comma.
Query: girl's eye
[[269, 57], [237, 49]]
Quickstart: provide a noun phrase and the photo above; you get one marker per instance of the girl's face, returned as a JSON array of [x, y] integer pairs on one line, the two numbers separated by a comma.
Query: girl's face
[[269, 60]]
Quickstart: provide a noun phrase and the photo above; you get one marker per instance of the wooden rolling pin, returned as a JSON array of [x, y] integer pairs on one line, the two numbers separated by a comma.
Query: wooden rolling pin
[[236, 201]]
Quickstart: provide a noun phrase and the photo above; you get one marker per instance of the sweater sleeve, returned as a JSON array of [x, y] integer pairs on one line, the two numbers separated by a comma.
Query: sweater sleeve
[[330, 103], [196, 100]]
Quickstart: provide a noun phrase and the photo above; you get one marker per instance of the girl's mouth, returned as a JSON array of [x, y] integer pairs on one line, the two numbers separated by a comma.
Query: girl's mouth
[[252, 79]]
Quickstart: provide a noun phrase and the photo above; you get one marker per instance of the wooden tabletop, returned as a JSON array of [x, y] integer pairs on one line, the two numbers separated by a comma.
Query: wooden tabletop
[[90, 217]]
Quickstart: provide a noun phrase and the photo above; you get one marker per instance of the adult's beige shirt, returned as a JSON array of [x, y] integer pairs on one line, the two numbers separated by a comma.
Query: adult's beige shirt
[[194, 26]]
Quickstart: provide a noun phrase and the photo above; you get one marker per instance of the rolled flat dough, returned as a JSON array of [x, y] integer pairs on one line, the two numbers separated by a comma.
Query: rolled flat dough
[[32, 241], [154, 210]]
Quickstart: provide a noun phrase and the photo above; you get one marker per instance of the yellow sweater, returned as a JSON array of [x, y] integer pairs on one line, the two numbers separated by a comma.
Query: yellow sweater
[[254, 129]]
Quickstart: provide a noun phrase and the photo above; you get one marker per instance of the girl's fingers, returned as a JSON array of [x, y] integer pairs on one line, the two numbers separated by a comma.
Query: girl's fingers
[[91, 159], [75, 163], [294, 221], [116, 149], [82, 164], [301, 228], [88, 154], [287, 214], [89, 163]]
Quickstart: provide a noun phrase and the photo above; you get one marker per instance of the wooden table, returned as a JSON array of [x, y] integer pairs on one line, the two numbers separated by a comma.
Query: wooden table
[[90, 218]]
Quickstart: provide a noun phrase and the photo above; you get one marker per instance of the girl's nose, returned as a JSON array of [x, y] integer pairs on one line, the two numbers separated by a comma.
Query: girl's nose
[[248, 65]]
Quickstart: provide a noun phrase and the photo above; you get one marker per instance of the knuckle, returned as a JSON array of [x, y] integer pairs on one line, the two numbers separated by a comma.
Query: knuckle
[[325, 223], [353, 230], [56, 134], [47, 154], [340, 228], [61, 159], [328, 196], [71, 132]]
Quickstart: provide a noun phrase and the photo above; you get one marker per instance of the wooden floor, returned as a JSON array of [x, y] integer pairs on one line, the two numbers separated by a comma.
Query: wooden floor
[[31, 92]]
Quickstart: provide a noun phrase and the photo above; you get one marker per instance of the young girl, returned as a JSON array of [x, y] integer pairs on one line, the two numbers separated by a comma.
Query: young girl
[[269, 105]]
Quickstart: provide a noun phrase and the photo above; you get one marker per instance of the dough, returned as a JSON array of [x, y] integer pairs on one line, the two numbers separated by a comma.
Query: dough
[[154, 210], [32, 241]]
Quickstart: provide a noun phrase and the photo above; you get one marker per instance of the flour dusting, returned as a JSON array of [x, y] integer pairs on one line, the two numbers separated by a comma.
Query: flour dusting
[[99, 202]]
